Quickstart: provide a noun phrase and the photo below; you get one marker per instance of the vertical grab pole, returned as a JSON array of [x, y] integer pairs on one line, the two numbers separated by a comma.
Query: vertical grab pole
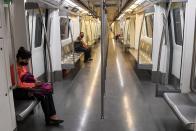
[[102, 57], [106, 44]]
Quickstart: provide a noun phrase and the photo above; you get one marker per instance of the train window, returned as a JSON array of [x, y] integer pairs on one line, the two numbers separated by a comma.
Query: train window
[[38, 31], [64, 27], [129, 32], [177, 26], [149, 25]]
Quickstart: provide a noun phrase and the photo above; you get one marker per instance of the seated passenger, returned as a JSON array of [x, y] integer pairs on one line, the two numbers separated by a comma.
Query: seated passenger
[[27, 81], [81, 46]]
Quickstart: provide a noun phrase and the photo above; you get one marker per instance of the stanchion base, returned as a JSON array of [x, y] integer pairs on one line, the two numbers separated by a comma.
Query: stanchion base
[[102, 117]]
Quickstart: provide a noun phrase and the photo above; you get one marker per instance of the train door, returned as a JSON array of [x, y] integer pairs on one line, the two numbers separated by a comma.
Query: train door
[[36, 41], [177, 18]]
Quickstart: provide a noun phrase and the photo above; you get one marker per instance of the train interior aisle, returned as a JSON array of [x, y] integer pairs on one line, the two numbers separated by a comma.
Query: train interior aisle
[[97, 65], [130, 103]]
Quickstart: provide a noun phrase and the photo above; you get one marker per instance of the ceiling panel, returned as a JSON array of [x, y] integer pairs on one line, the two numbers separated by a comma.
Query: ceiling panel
[[113, 6]]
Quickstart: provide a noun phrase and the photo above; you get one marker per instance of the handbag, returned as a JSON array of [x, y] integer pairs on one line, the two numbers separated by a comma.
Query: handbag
[[44, 89], [28, 78]]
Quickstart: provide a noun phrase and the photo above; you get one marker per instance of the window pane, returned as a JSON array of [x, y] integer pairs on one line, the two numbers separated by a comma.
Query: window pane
[[64, 28], [149, 25], [177, 26], [38, 31]]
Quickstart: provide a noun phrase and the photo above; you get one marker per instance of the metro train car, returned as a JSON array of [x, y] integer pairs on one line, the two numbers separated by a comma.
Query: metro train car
[[97, 65]]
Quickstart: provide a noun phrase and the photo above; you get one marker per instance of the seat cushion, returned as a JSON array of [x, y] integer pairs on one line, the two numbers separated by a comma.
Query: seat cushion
[[184, 106]]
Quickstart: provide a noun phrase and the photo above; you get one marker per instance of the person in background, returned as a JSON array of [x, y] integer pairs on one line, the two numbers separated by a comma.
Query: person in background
[[22, 91], [81, 46]]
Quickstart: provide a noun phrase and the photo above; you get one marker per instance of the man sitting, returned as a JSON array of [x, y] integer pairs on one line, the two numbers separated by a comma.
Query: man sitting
[[81, 46]]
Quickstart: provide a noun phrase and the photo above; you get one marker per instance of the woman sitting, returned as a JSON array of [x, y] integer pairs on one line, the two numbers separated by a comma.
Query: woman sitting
[[27, 82]]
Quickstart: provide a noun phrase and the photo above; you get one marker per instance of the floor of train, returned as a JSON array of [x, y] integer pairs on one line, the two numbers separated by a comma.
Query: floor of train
[[130, 104]]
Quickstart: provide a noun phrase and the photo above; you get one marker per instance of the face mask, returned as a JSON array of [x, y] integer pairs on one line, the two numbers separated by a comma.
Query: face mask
[[23, 63]]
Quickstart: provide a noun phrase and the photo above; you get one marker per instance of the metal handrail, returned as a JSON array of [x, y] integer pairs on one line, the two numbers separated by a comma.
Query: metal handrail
[[103, 66]]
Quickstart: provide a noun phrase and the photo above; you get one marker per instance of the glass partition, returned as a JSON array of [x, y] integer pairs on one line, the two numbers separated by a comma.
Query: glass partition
[[64, 27], [145, 44], [128, 32], [38, 31], [177, 26], [149, 25], [132, 33]]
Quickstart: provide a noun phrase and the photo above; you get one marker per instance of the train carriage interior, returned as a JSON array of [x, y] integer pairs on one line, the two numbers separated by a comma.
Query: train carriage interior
[[98, 65]]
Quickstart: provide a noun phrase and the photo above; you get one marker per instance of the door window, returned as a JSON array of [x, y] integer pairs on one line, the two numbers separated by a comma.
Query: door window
[[177, 26], [64, 27], [149, 25], [38, 31]]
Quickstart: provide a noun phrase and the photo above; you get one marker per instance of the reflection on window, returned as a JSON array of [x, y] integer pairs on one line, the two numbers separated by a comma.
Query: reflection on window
[[38, 31], [149, 25], [177, 26], [64, 27]]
